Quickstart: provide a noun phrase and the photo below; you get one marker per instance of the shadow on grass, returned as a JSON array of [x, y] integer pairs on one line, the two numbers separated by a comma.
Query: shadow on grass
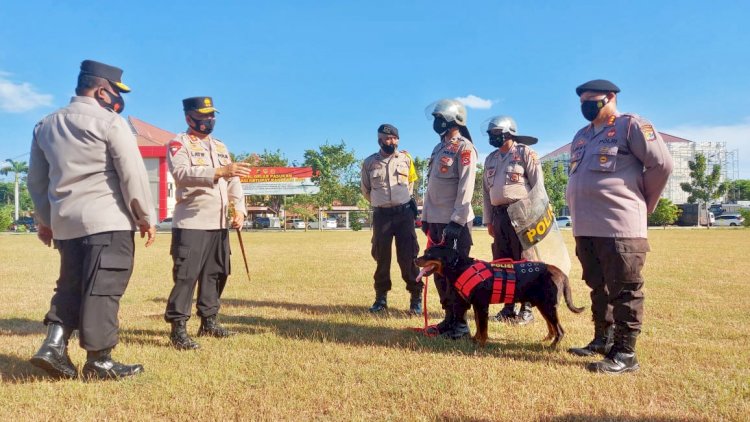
[[363, 335], [316, 309], [14, 370], [21, 327], [615, 417]]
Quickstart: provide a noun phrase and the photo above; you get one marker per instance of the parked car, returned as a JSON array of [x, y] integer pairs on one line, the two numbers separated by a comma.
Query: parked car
[[326, 223], [564, 221], [28, 222], [262, 222], [477, 221], [165, 225], [729, 220], [296, 223]]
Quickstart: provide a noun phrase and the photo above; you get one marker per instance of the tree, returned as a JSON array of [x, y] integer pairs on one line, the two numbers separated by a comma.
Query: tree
[[703, 188], [338, 173], [17, 167], [420, 186], [555, 182], [665, 213], [477, 198], [746, 215], [6, 217], [738, 190]]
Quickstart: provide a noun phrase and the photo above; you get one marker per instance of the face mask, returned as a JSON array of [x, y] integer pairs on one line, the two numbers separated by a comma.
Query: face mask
[[116, 103], [440, 125], [388, 149], [591, 108], [497, 140], [204, 126]]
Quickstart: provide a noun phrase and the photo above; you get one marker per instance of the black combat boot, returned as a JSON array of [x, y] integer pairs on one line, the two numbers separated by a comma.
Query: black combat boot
[[525, 316], [211, 327], [381, 303], [180, 338], [99, 365], [53, 355], [601, 343], [621, 357], [443, 326], [507, 314], [415, 303], [460, 329]]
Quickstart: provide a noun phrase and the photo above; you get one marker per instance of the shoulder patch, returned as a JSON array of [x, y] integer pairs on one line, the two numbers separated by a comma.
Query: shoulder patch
[[466, 157], [648, 132], [174, 147]]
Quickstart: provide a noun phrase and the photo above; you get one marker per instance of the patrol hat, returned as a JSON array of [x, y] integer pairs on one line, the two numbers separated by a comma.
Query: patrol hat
[[387, 129], [597, 85], [104, 71], [203, 105]]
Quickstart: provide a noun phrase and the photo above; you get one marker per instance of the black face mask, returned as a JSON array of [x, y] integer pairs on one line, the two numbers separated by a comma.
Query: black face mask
[[388, 149], [440, 125], [497, 140], [204, 126], [116, 103], [591, 108]]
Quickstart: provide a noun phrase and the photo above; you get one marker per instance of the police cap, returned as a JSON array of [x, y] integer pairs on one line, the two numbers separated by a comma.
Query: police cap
[[387, 129], [104, 71], [203, 105], [597, 85]]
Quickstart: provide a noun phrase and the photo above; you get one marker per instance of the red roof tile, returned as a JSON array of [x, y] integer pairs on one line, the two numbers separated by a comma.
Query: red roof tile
[[149, 135]]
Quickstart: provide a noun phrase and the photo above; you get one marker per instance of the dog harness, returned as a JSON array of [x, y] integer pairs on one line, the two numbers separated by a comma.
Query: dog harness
[[502, 272]]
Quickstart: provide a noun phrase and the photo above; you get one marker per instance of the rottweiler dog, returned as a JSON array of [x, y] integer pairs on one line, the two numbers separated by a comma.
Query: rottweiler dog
[[480, 283]]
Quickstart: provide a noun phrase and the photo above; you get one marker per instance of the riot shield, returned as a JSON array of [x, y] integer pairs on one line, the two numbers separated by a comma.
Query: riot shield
[[536, 228]]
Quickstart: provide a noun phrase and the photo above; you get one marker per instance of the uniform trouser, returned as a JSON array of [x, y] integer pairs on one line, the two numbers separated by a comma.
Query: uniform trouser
[[505, 244], [389, 224], [449, 297], [612, 269], [202, 257], [94, 273]]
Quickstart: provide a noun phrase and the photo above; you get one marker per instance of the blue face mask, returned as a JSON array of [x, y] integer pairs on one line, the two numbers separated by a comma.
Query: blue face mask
[[591, 108]]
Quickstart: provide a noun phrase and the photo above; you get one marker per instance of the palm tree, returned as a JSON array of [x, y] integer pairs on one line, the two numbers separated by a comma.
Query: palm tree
[[17, 167]]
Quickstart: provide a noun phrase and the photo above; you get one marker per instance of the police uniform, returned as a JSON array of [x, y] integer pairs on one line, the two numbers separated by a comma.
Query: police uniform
[[387, 183], [450, 187], [89, 184], [617, 173], [507, 178], [200, 239]]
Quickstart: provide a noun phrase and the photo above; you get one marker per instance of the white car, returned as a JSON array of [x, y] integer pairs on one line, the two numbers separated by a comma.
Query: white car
[[296, 223], [165, 225], [564, 221], [326, 223], [733, 220]]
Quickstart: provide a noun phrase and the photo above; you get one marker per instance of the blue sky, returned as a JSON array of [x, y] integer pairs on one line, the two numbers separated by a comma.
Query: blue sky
[[292, 75]]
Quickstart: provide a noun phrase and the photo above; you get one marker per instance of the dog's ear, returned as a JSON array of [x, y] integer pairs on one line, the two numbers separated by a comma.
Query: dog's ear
[[452, 259]]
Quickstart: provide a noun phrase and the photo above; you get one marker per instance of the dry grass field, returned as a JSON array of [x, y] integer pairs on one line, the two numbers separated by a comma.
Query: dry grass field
[[307, 349]]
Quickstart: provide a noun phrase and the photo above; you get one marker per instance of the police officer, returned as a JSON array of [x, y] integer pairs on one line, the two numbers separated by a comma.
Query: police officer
[[510, 172], [387, 182], [447, 214], [91, 192], [208, 190], [619, 166]]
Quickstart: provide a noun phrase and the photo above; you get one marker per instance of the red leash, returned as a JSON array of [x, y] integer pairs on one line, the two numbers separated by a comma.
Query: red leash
[[424, 330]]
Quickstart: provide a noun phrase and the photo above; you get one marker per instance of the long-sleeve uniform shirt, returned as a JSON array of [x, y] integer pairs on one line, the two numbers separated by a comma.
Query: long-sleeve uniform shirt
[[509, 177], [86, 175], [202, 203], [450, 182], [388, 181], [616, 176]]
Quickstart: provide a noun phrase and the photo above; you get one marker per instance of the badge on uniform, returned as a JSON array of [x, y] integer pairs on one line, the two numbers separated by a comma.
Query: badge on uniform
[[446, 161], [443, 169], [490, 172], [174, 147], [452, 147], [514, 177], [580, 142], [466, 157], [648, 132], [611, 133]]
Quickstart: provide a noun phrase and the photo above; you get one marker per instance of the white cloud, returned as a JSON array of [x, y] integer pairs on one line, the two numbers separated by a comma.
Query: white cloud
[[737, 137], [20, 97], [472, 101]]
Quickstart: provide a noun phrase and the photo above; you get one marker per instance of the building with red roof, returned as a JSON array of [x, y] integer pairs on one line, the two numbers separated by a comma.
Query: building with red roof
[[152, 142]]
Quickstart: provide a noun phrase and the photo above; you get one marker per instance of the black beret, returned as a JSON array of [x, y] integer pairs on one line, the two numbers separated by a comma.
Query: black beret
[[104, 71], [203, 105], [597, 85], [387, 129]]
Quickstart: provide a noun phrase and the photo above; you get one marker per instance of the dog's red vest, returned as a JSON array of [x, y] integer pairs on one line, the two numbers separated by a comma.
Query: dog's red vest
[[502, 272]]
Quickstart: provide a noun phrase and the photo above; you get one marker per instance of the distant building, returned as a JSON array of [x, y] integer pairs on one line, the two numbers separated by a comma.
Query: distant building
[[682, 151], [152, 142]]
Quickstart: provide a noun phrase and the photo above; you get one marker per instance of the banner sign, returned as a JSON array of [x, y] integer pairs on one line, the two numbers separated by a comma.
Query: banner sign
[[279, 181]]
